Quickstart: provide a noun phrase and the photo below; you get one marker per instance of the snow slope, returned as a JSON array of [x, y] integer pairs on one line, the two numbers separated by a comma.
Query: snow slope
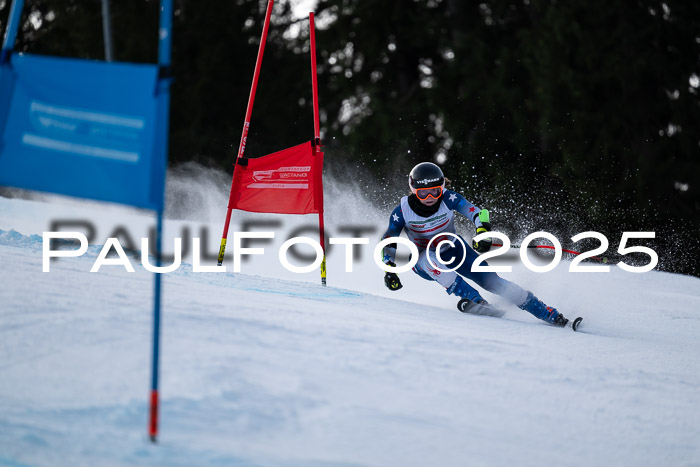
[[268, 368]]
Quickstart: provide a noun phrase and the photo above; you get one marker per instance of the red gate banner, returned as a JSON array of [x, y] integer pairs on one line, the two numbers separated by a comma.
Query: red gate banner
[[284, 182]]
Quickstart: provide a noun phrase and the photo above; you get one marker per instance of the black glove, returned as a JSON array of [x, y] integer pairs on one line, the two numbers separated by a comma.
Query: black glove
[[391, 280], [484, 245]]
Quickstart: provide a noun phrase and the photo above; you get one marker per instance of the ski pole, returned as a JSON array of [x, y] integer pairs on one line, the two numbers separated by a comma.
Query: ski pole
[[549, 247], [484, 217]]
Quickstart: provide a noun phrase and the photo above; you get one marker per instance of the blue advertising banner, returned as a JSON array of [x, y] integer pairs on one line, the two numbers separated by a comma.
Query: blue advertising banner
[[92, 130], [83, 128]]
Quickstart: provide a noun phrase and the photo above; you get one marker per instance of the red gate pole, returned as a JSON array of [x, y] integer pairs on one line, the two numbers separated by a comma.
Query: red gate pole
[[317, 139], [246, 123]]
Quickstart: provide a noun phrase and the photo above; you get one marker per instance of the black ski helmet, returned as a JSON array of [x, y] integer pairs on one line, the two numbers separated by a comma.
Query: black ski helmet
[[426, 175]]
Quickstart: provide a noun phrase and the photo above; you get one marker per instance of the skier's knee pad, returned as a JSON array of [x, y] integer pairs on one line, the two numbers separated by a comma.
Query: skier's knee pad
[[461, 289]]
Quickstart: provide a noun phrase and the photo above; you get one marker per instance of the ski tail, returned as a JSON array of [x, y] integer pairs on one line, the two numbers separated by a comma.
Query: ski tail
[[575, 323], [479, 309]]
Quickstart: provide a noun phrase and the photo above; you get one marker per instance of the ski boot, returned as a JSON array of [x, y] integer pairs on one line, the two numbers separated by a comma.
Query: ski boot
[[560, 321], [469, 295], [546, 313]]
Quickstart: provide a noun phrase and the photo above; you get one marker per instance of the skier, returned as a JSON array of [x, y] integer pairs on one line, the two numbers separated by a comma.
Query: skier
[[429, 212]]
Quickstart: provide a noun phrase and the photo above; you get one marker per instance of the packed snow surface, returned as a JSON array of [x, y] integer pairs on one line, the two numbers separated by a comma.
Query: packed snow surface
[[268, 368]]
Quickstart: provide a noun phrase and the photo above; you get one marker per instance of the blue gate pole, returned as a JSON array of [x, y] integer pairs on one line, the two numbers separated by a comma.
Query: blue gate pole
[[165, 33], [11, 32], [153, 423], [107, 30], [162, 93]]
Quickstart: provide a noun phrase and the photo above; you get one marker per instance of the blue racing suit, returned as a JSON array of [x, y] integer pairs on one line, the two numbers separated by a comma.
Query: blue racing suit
[[439, 225]]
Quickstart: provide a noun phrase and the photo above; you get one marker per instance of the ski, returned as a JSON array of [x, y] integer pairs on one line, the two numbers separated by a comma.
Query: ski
[[572, 323], [469, 307], [575, 323]]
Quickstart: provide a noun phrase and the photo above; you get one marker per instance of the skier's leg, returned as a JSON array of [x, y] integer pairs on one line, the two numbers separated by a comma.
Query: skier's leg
[[512, 292], [450, 280], [523, 299], [546, 313]]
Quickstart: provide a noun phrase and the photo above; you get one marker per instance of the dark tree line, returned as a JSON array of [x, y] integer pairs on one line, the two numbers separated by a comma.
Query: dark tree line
[[561, 115]]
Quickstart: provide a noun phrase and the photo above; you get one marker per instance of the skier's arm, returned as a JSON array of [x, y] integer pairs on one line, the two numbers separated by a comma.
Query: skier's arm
[[458, 203], [396, 225]]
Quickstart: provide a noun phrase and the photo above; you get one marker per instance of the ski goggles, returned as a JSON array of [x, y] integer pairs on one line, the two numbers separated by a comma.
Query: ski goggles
[[425, 193]]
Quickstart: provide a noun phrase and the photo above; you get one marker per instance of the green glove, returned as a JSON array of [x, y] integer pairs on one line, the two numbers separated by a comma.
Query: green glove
[[484, 245]]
